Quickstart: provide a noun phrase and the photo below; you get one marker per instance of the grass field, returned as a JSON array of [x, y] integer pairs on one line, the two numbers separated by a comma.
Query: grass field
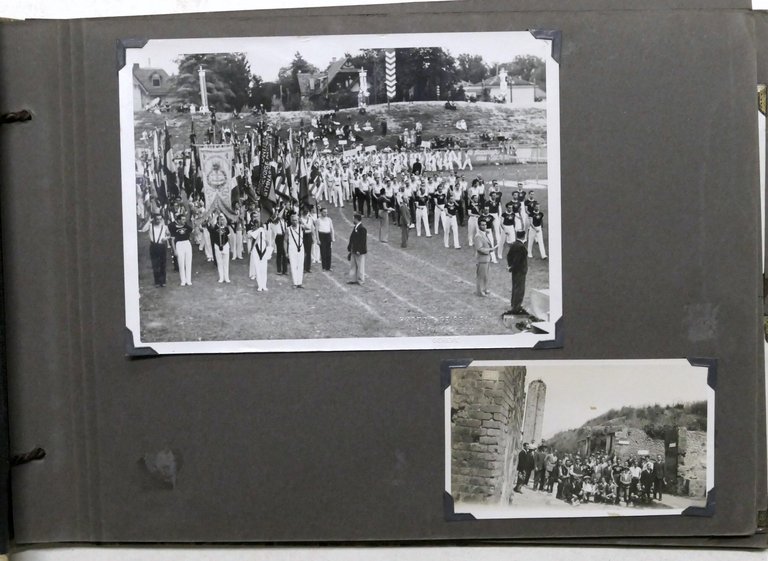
[[424, 290], [526, 126]]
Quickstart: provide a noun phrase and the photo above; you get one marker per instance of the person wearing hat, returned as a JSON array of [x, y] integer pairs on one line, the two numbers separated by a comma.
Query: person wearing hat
[[158, 247]]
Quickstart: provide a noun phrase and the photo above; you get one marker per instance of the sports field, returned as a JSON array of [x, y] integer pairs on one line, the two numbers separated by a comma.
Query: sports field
[[423, 290]]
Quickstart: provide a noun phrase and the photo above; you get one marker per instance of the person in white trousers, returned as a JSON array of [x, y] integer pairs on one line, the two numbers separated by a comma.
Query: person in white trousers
[[474, 213], [536, 232], [440, 197], [294, 243], [220, 235], [261, 251], [450, 223], [422, 212], [181, 231]]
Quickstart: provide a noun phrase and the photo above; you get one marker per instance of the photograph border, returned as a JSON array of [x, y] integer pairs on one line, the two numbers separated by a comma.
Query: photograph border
[[549, 334], [449, 511]]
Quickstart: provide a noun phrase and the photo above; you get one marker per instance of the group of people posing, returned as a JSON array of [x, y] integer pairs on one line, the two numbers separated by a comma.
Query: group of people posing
[[600, 478]]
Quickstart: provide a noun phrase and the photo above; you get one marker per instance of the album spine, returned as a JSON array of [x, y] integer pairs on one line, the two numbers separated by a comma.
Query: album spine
[[7, 118], [44, 439]]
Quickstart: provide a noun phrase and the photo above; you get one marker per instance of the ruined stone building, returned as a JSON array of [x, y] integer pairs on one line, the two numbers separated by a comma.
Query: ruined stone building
[[684, 452], [486, 424], [534, 412]]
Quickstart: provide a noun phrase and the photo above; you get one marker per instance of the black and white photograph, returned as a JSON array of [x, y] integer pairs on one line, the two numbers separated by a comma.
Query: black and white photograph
[[346, 192], [543, 439]]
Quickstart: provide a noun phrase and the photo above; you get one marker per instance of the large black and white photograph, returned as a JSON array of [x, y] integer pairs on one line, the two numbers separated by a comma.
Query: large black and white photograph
[[543, 439], [347, 192]]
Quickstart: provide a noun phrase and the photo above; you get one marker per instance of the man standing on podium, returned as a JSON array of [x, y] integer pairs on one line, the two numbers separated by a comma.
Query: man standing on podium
[[357, 248], [517, 264]]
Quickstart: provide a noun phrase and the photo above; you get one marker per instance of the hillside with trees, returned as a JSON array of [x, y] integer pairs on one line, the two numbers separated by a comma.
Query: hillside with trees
[[653, 419]]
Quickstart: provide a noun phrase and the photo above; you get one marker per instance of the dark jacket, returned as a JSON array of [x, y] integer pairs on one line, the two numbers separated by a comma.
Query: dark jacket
[[358, 240], [517, 258]]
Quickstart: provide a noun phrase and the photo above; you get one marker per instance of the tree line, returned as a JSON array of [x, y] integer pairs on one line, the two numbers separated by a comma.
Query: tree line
[[422, 74]]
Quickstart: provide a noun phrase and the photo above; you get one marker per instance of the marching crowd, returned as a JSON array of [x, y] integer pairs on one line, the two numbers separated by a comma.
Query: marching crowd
[[422, 190], [598, 478]]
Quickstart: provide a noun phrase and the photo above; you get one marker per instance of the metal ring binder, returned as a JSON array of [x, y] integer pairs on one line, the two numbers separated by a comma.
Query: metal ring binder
[[31, 456], [16, 117]]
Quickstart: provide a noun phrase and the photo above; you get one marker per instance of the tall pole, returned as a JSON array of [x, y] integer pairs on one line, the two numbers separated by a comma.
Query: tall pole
[[203, 90]]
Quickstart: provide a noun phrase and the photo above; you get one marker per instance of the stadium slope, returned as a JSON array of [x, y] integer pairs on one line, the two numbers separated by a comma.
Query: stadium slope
[[525, 126]]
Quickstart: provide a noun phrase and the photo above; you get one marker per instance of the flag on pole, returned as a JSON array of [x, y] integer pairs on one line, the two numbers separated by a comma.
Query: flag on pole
[[169, 166]]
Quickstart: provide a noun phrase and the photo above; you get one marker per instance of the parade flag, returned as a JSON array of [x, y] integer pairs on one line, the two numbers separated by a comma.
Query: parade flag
[[316, 187], [303, 177], [281, 188], [265, 175], [169, 166], [216, 171]]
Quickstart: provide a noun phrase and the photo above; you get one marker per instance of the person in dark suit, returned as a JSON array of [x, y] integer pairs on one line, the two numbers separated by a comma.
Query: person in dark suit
[[522, 468], [404, 211], [659, 469], [540, 468], [517, 264], [357, 248]]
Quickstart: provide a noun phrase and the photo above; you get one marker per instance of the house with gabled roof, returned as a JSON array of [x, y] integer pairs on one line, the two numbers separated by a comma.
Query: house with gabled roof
[[340, 77], [150, 86]]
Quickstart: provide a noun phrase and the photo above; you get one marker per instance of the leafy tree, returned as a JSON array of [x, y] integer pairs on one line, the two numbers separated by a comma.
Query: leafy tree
[[420, 72], [471, 68], [227, 79], [260, 93], [530, 68]]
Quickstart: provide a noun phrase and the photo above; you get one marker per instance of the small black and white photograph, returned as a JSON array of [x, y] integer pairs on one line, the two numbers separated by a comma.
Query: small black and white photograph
[[348, 192], [545, 439]]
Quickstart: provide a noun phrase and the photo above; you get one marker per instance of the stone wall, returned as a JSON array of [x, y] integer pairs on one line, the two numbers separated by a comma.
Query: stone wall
[[486, 422], [691, 463], [637, 440]]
